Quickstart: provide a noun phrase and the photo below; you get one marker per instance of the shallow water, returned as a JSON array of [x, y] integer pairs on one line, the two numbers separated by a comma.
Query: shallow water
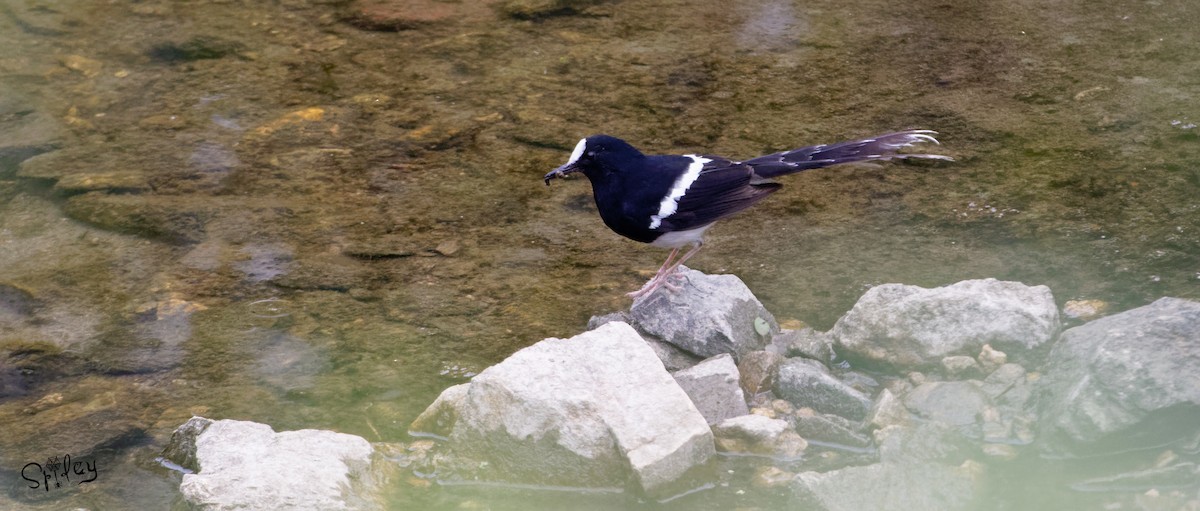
[[265, 211]]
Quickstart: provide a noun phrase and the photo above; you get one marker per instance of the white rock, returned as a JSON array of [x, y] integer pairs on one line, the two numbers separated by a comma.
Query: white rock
[[908, 326], [581, 412], [755, 428], [248, 466]]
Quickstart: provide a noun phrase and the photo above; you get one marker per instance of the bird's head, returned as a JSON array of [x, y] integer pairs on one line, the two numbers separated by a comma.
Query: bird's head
[[596, 156]]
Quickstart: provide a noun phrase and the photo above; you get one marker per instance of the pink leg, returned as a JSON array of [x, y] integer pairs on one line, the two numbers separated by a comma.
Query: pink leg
[[666, 263], [646, 288], [665, 272], [685, 257]]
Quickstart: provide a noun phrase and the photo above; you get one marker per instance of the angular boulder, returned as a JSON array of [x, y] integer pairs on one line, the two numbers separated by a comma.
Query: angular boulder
[[904, 326], [595, 410], [806, 383], [707, 316], [713, 386], [1126, 380], [757, 434], [247, 465], [757, 370]]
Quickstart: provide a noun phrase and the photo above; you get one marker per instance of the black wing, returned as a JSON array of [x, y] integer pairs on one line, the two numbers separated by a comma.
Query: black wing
[[723, 188]]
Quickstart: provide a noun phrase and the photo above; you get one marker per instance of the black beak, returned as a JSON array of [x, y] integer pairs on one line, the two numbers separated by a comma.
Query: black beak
[[559, 172]]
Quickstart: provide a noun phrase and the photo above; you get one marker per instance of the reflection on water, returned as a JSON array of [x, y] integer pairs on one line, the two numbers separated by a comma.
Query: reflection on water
[[375, 169]]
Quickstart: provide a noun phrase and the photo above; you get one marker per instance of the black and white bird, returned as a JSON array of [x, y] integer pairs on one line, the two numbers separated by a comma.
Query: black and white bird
[[669, 201]]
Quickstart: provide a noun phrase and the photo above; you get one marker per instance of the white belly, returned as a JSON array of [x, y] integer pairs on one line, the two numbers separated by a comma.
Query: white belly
[[680, 239]]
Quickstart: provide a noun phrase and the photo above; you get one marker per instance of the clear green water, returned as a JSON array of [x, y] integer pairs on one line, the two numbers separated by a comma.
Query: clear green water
[[318, 226]]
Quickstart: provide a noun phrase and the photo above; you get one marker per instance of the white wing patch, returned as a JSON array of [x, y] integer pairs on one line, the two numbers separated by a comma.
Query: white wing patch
[[578, 151], [671, 202]]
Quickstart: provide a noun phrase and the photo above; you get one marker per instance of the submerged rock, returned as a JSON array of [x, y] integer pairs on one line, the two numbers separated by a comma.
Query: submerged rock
[[247, 465], [394, 15], [954, 403], [912, 327], [589, 411], [108, 181], [526, 9], [1126, 380], [708, 315], [924, 442], [439, 418], [24, 132], [1176, 475], [197, 48], [830, 429], [172, 218], [69, 418], [887, 486], [16, 303]]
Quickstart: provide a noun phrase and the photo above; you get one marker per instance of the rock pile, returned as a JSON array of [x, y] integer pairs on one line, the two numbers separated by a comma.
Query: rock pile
[[643, 400]]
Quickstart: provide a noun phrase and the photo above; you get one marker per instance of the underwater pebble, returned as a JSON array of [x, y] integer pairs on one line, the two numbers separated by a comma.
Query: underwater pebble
[[163, 122], [45, 403], [541, 8], [396, 15], [782, 406], [765, 412], [82, 65], [771, 477], [125, 181], [447, 248], [790, 444], [999, 451], [1085, 310]]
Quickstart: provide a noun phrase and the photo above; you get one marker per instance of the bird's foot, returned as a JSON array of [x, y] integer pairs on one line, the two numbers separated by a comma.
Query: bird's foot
[[662, 280], [646, 289]]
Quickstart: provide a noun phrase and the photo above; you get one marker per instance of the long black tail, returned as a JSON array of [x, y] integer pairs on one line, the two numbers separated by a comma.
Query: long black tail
[[882, 147]]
